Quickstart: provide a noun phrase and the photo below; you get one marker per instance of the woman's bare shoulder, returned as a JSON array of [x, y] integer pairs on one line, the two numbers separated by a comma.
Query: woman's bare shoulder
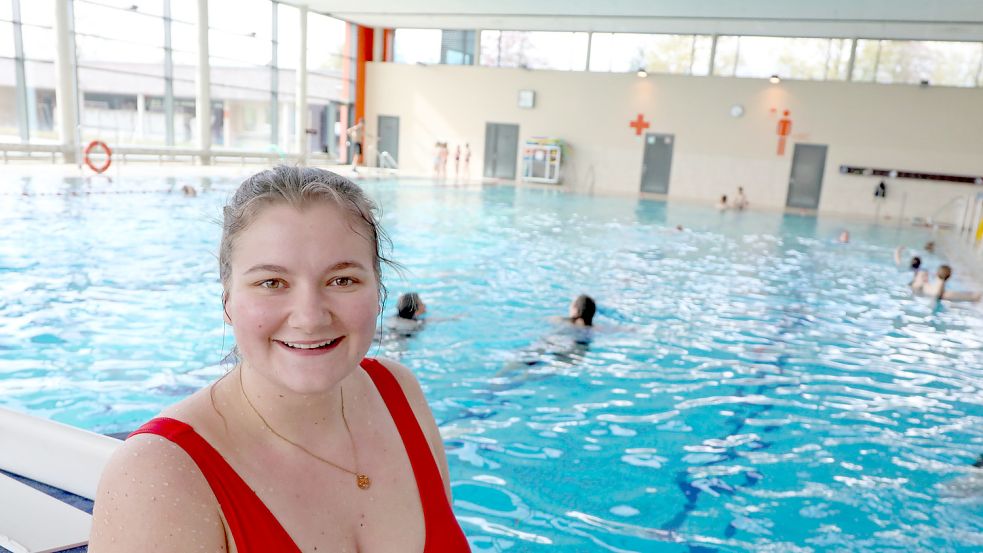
[[153, 497]]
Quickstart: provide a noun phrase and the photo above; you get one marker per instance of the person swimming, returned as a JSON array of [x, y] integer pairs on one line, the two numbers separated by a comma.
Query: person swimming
[[582, 310], [410, 306], [560, 349], [937, 288], [914, 264]]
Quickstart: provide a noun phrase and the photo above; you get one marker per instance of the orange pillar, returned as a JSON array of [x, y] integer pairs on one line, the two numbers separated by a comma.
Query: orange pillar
[[388, 35], [364, 54]]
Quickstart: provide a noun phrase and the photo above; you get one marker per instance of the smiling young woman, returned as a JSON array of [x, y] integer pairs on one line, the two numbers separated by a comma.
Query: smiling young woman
[[306, 444]]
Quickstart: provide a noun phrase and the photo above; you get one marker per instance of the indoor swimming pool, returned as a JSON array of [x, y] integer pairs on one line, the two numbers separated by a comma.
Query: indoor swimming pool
[[752, 384]]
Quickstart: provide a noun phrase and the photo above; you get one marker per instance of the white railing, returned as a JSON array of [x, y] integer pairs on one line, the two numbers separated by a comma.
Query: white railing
[[934, 217], [386, 161], [124, 154]]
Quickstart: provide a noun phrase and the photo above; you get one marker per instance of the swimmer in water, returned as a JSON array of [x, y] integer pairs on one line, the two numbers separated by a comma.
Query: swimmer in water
[[937, 288]]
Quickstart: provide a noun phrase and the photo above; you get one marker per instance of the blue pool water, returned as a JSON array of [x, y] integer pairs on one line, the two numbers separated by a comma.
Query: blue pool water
[[752, 386]]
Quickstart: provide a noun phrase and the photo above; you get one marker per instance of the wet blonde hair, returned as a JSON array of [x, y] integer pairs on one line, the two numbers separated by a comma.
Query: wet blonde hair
[[300, 187]]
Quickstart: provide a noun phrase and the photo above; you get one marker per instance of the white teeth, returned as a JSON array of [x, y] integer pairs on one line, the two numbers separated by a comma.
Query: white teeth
[[308, 346]]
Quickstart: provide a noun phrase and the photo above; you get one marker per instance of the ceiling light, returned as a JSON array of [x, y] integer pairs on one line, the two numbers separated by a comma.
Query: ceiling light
[[642, 73], [774, 79]]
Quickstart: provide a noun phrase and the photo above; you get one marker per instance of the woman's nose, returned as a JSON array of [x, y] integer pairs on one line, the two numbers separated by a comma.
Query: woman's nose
[[310, 310]]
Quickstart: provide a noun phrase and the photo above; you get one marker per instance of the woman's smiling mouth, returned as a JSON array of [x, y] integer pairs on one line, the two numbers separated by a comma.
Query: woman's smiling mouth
[[309, 347]]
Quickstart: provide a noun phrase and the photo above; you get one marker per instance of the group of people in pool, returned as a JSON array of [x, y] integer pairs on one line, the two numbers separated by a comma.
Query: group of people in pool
[[922, 284], [739, 203], [410, 308]]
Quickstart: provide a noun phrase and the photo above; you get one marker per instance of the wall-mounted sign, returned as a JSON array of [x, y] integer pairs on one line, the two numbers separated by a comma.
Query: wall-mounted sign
[[639, 124], [901, 174], [783, 130], [527, 99]]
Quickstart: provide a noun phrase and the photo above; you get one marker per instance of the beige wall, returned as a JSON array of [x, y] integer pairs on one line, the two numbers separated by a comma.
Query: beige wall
[[896, 127]]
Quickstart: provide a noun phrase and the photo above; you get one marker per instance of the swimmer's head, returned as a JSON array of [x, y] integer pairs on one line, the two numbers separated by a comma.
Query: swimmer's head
[[410, 306], [945, 272], [582, 309], [916, 262], [930, 246]]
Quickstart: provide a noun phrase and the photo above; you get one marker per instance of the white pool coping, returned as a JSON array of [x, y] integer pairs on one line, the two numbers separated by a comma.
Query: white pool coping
[[52, 453]]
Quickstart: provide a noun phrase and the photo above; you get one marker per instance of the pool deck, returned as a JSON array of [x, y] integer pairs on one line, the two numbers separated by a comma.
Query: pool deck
[[81, 503]]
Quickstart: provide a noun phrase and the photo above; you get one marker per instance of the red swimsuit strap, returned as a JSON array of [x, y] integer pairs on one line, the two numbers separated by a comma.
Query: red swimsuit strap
[[442, 530], [253, 526]]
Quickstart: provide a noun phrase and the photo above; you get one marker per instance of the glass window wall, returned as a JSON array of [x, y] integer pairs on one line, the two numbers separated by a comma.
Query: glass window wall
[[628, 52], [240, 48], [417, 46], [137, 67], [34, 104], [287, 54], [121, 55], [939, 63], [789, 58], [40, 82], [9, 124], [534, 50], [328, 91]]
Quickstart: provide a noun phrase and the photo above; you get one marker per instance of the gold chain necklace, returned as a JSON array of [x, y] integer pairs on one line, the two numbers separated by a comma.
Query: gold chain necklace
[[362, 481]]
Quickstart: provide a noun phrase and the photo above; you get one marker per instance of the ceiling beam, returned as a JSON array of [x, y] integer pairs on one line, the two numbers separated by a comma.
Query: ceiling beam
[[895, 19]]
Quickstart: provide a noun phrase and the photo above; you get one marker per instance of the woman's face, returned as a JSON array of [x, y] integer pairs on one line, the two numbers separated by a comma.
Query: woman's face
[[574, 310], [303, 296]]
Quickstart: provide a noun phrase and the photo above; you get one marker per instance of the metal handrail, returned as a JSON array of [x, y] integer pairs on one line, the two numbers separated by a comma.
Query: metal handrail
[[162, 152], [386, 161]]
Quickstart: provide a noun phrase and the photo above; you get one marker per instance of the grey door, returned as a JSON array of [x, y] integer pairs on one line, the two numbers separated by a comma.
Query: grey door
[[657, 163], [501, 150], [806, 181], [389, 136]]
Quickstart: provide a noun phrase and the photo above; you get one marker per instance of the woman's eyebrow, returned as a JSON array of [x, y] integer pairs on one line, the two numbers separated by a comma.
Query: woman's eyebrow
[[267, 267], [345, 265]]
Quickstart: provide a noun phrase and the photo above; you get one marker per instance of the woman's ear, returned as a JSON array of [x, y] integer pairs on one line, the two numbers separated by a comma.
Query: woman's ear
[[225, 309]]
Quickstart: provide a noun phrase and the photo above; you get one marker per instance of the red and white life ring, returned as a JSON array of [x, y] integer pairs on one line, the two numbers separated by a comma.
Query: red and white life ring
[[109, 156]]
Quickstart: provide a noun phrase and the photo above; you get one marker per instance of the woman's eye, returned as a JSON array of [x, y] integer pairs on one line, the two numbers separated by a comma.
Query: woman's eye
[[273, 283], [343, 281]]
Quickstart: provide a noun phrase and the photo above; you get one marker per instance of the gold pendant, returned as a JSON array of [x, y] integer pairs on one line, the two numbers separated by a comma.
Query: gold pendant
[[362, 481]]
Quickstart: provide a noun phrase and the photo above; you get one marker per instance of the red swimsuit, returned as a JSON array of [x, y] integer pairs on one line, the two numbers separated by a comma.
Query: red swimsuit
[[253, 526]]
